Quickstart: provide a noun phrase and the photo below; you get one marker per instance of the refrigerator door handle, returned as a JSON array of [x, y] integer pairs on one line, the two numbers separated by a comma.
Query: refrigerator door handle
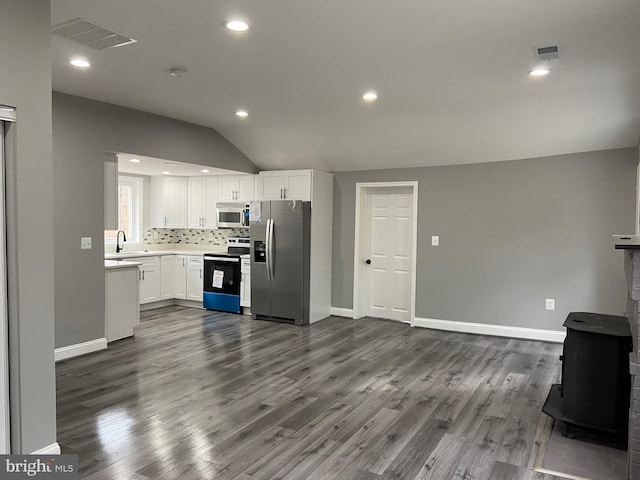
[[271, 253], [268, 242]]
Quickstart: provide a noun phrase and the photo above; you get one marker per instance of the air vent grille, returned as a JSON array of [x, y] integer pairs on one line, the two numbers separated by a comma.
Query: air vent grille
[[547, 53], [90, 34]]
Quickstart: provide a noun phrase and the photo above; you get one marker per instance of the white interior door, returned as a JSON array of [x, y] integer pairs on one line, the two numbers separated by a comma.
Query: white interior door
[[4, 339], [389, 248]]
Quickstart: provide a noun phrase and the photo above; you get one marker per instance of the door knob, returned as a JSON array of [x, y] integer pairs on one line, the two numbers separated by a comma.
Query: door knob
[[367, 261]]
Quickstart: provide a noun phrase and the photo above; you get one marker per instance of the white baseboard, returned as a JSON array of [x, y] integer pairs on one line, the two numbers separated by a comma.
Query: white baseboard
[[341, 312], [53, 449], [70, 351], [487, 329]]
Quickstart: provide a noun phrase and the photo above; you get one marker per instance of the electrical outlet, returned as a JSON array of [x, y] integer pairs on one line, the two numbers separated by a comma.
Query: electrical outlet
[[85, 243], [155, 235], [435, 241], [210, 237], [550, 304]]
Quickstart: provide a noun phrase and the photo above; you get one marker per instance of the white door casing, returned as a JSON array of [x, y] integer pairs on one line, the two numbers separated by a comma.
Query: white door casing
[[386, 234], [5, 445]]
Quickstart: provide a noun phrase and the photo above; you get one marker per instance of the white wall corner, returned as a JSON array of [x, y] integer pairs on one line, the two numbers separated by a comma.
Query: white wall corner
[[53, 449], [555, 336], [342, 312], [77, 349]]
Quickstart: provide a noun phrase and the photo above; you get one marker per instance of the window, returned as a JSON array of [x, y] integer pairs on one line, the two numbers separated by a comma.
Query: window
[[129, 210]]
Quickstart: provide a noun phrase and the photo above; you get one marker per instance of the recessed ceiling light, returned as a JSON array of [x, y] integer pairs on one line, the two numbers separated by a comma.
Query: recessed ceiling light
[[166, 173], [170, 164], [177, 72], [370, 96], [135, 160], [80, 62], [242, 113], [204, 170], [539, 72], [237, 25]]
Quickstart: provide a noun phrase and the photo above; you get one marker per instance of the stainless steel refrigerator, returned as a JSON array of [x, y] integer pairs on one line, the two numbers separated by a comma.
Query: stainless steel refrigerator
[[280, 244]]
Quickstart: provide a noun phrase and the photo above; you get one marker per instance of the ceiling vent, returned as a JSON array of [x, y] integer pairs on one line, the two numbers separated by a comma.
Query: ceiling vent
[[90, 34], [546, 53]]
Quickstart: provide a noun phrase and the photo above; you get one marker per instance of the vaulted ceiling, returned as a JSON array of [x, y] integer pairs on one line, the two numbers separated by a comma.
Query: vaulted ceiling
[[451, 76]]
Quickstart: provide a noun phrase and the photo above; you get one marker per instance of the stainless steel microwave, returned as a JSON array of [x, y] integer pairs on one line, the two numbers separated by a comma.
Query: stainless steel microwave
[[232, 215]]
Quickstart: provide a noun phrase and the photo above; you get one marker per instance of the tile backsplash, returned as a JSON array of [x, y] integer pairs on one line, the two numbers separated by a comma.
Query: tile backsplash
[[191, 236]]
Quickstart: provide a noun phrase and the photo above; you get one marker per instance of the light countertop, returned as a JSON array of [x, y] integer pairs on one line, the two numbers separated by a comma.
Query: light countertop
[[156, 250], [115, 264]]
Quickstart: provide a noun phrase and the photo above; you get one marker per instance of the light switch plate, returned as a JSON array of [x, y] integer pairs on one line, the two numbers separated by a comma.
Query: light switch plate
[[550, 304], [85, 243], [435, 241]]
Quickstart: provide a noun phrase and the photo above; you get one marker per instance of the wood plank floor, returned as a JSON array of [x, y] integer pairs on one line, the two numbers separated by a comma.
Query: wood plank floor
[[206, 395]]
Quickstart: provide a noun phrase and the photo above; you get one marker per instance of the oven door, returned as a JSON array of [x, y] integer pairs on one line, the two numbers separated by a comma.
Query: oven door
[[221, 287], [222, 275]]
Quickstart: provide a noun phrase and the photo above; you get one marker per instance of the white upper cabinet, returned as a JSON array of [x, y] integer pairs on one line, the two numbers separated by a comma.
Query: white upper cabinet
[[236, 188], [169, 202], [203, 195], [285, 184]]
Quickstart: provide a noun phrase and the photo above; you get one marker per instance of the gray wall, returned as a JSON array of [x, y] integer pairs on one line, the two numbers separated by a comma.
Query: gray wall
[[511, 234], [83, 130], [25, 82]]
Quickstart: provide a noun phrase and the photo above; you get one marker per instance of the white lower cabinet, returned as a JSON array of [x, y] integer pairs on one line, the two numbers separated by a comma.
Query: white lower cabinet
[[195, 270], [167, 275], [149, 278], [180, 277], [122, 310], [245, 283]]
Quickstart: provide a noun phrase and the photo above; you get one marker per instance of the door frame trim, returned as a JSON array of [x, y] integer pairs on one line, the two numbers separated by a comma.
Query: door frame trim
[[362, 191]]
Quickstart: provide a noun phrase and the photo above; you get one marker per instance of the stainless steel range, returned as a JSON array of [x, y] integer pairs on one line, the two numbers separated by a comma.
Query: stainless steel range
[[221, 289]]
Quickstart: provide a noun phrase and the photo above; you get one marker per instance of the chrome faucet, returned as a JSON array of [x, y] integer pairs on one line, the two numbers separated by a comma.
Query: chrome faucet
[[124, 239]]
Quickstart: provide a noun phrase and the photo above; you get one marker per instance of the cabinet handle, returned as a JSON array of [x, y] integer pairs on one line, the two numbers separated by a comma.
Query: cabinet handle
[[280, 194], [184, 261], [200, 273], [165, 221], [285, 193]]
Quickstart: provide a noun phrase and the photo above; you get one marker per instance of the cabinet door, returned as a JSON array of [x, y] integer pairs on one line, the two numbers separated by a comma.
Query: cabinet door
[[167, 277], [271, 185], [210, 199], [180, 280], [298, 185], [196, 202], [227, 187], [149, 284], [175, 202], [194, 278], [148, 278], [246, 191]]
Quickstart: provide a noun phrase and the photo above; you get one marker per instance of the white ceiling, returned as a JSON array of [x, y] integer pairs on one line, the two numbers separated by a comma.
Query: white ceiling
[[157, 166], [451, 76]]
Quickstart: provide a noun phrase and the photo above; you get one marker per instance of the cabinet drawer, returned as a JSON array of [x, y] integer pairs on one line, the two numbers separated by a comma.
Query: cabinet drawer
[[195, 261]]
